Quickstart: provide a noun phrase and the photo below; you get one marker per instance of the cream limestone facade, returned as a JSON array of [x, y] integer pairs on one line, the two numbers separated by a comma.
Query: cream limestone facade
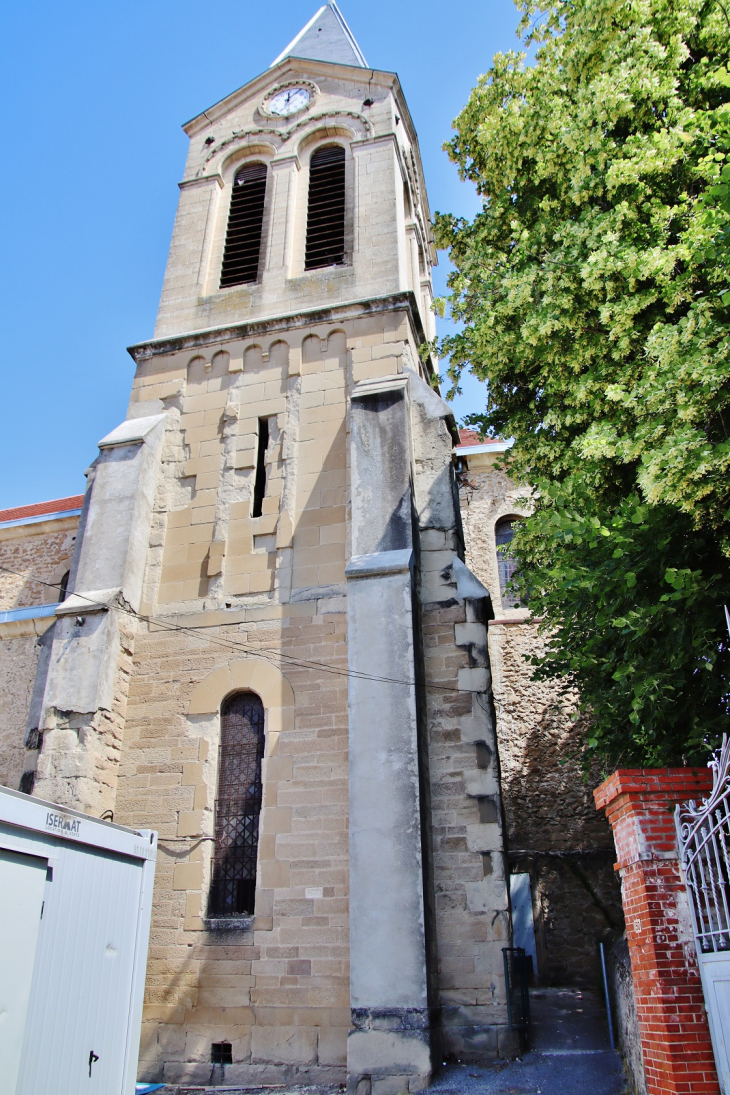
[[338, 595]]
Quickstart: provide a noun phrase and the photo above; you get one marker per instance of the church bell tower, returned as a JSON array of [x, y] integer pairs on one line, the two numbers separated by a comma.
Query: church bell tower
[[272, 650], [303, 189]]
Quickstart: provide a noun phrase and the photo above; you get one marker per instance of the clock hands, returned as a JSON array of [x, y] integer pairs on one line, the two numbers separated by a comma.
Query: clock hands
[[288, 101]]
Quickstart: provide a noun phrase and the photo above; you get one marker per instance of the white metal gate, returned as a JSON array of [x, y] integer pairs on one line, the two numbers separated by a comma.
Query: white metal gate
[[703, 836]]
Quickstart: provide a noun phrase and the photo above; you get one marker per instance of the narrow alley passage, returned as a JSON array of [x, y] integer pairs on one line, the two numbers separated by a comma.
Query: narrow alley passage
[[570, 1054]]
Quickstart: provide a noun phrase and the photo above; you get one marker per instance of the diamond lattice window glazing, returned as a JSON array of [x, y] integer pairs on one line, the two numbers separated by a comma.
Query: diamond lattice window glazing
[[238, 807]]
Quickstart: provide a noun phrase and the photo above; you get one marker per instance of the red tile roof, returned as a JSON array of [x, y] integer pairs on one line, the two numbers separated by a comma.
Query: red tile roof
[[40, 509], [471, 437]]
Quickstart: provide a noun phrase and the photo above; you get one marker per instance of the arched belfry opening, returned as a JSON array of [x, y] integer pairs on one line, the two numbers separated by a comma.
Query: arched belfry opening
[[326, 209], [245, 226]]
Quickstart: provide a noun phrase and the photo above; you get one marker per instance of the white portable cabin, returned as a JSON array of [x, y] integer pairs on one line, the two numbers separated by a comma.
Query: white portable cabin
[[75, 905]]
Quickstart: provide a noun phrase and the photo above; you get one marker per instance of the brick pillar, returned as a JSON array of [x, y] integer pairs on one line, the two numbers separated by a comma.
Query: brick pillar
[[675, 1038]]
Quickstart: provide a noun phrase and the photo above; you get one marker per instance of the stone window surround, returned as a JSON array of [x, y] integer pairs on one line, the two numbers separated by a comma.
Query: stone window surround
[[266, 680], [506, 510]]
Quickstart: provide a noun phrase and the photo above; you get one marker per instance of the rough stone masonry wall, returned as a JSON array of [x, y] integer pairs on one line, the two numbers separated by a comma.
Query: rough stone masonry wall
[[18, 661], [34, 551], [553, 831]]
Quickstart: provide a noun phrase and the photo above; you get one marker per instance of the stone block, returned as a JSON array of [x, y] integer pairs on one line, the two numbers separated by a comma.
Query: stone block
[[470, 634], [476, 728], [192, 904], [187, 876], [274, 874], [481, 783], [473, 680], [486, 895], [382, 1053], [391, 1085], [332, 1045], [190, 824], [192, 774], [466, 1041], [284, 1045], [483, 838], [278, 768], [276, 820]]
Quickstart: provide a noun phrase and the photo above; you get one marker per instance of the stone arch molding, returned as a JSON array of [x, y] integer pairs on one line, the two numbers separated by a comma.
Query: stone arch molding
[[519, 509], [254, 151], [248, 675], [345, 124]]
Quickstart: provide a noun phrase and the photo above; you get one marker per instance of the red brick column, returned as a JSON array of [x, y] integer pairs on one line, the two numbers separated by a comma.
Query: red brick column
[[675, 1038]]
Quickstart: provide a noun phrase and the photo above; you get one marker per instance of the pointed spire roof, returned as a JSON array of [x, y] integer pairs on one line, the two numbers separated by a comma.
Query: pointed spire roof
[[326, 37]]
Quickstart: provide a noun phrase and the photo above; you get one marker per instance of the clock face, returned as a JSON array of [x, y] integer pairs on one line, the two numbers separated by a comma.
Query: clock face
[[289, 101]]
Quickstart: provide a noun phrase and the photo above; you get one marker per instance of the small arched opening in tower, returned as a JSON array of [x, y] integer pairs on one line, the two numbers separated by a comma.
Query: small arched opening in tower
[[326, 209], [245, 226]]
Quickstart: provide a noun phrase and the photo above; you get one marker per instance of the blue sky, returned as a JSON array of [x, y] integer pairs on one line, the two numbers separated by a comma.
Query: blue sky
[[93, 99]]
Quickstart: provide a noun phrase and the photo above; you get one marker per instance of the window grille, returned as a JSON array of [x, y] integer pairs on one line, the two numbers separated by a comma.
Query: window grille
[[326, 209], [506, 563], [245, 226], [238, 807], [221, 1053]]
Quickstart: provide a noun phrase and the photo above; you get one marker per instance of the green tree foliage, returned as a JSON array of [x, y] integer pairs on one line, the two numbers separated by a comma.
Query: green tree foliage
[[632, 597], [593, 290]]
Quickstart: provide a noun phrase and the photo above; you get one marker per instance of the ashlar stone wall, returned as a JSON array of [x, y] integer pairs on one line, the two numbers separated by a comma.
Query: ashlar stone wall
[[276, 986], [234, 602]]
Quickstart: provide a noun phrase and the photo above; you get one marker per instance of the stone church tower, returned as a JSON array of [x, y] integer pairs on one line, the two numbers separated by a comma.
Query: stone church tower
[[271, 650]]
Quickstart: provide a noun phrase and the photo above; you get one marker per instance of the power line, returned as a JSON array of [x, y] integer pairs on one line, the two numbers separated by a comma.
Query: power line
[[232, 644]]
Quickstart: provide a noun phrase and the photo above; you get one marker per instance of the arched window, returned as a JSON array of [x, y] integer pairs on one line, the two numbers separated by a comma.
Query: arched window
[[63, 588], [507, 564], [238, 806], [326, 209], [245, 226]]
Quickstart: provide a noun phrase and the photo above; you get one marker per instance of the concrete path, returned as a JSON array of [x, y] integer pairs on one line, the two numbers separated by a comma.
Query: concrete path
[[570, 1054]]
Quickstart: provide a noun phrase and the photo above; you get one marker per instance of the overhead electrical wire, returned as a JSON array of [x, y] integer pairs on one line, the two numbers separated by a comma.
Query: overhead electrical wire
[[232, 644]]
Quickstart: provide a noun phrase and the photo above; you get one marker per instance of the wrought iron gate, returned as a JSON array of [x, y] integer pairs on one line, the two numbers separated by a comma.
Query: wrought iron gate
[[703, 836]]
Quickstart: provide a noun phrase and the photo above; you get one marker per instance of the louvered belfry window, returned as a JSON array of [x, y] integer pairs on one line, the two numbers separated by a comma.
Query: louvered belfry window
[[245, 225], [326, 209], [238, 807]]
